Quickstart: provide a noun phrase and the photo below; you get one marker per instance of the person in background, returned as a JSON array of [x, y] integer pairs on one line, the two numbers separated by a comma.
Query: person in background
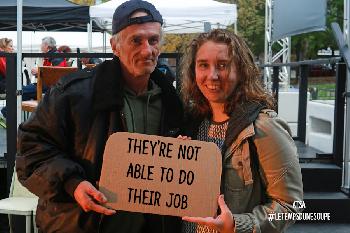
[[66, 49], [93, 60], [48, 45], [227, 105], [162, 65], [61, 145], [90, 63], [6, 45]]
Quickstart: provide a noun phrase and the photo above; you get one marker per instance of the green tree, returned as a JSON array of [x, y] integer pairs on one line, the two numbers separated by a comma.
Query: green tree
[[251, 23], [84, 2], [176, 42], [87, 2]]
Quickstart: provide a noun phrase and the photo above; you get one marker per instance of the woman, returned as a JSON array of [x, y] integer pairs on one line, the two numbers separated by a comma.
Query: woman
[[6, 45], [66, 49], [227, 105]]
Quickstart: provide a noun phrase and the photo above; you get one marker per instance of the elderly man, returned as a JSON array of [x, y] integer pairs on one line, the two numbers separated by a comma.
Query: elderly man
[[48, 45], [61, 145]]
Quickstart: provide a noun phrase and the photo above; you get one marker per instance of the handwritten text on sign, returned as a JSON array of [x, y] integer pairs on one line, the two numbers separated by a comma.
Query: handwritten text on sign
[[161, 175]]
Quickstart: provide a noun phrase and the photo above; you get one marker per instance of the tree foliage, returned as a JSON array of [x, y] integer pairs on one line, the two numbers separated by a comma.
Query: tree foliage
[[251, 23], [84, 2], [176, 42]]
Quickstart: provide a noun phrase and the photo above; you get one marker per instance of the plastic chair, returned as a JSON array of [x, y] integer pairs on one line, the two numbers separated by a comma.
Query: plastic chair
[[47, 76], [20, 202]]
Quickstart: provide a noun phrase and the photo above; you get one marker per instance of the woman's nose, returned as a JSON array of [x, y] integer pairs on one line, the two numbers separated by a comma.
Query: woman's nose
[[213, 74]]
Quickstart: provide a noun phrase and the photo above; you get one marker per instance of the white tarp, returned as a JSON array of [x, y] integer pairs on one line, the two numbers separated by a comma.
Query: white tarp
[[180, 16]]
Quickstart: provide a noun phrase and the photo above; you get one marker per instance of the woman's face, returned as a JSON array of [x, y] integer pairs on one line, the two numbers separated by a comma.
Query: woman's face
[[216, 75]]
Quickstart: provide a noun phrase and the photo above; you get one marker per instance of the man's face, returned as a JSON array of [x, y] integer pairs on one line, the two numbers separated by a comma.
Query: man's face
[[44, 47], [138, 48]]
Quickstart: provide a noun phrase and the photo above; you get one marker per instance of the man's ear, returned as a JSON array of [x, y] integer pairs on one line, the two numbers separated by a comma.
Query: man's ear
[[115, 46]]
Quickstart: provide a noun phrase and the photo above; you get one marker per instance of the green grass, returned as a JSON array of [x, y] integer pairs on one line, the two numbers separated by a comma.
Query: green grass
[[325, 91], [2, 123]]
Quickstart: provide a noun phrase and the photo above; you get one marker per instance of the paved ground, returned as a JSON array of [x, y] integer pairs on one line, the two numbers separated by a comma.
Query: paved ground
[[319, 228], [296, 228]]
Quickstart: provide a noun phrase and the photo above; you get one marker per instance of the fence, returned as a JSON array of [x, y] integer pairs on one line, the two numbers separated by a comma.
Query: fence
[[339, 108]]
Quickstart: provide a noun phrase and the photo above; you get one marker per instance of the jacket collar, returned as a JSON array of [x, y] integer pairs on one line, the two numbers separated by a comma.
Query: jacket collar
[[243, 116], [107, 90]]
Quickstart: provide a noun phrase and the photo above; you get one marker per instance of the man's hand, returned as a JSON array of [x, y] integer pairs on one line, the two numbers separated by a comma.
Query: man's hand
[[89, 198], [223, 223]]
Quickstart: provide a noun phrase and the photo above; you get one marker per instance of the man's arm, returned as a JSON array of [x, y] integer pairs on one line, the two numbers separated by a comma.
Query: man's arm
[[280, 169], [43, 163]]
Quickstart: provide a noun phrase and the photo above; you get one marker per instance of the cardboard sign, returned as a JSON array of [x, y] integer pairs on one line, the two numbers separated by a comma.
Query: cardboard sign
[[161, 175]]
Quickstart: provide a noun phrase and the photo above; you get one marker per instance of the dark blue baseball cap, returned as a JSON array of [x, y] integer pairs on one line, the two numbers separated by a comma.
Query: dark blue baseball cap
[[121, 16]]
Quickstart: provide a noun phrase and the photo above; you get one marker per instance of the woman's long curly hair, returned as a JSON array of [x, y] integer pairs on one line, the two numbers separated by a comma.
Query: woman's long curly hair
[[248, 88]]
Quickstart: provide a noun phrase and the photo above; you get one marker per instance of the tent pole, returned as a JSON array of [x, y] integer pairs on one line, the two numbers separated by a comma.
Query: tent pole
[[13, 98], [89, 28], [346, 159], [19, 59], [104, 41]]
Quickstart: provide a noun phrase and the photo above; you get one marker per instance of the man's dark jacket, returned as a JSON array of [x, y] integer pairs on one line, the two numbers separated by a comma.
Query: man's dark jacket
[[62, 143]]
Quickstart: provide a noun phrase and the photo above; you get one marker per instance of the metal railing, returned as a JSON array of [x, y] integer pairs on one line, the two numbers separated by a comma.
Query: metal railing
[[339, 103]]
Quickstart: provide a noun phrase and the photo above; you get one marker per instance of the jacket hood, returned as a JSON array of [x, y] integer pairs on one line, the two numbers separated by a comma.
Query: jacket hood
[[108, 90]]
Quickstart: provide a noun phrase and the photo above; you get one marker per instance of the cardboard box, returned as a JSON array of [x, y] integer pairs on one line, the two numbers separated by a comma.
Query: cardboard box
[[161, 175]]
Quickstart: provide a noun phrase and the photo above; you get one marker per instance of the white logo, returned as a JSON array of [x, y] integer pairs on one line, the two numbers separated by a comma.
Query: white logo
[[299, 216], [299, 205]]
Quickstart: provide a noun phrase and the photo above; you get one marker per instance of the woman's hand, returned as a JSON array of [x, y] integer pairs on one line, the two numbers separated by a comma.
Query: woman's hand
[[184, 137], [223, 223]]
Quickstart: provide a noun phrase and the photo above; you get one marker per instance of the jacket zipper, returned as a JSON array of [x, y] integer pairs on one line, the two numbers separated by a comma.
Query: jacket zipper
[[123, 121]]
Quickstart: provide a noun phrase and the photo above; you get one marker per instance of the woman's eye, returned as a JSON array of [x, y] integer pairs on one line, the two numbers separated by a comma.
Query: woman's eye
[[202, 65], [222, 66]]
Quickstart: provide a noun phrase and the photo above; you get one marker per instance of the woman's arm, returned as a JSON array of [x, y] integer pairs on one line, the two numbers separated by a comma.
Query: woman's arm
[[280, 171]]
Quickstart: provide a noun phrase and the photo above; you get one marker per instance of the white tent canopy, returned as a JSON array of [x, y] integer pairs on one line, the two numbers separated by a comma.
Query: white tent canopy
[[180, 16]]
